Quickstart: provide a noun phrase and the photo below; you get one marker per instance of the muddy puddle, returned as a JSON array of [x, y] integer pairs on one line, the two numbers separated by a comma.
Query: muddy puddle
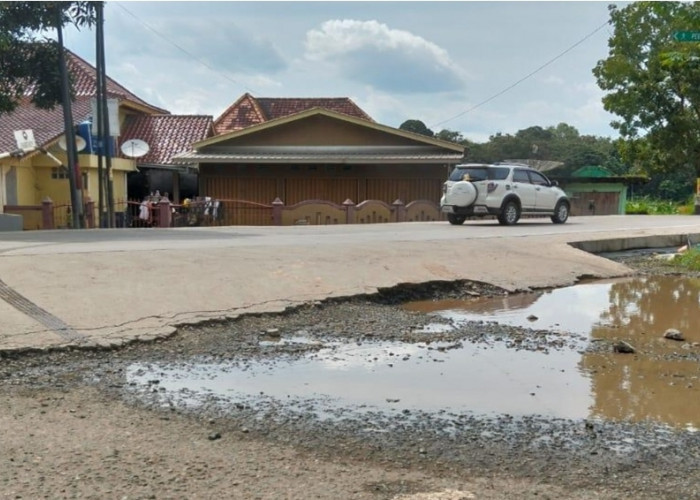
[[660, 383]]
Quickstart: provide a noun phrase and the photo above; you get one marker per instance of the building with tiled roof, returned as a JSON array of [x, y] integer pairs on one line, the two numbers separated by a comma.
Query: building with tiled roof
[[166, 136], [33, 177], [248, 110], [317, 161]]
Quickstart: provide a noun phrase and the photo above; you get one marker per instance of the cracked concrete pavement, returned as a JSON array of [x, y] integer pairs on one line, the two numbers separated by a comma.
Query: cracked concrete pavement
[[107, 287]]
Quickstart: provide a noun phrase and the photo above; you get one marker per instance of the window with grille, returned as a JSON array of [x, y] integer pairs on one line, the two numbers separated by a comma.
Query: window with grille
[[59, 173]]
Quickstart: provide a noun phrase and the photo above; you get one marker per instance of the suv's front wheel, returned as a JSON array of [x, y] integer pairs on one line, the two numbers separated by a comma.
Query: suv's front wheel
[[455, 219], [510, 213]]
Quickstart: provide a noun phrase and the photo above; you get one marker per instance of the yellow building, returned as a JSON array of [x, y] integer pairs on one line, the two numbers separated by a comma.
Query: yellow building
[[27, 180]]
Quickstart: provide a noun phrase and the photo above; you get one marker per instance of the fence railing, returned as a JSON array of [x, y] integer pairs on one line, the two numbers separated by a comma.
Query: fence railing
[[205, 211]]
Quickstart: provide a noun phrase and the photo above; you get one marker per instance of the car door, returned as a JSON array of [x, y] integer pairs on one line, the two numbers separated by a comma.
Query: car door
[[524, 189], [546, 197]]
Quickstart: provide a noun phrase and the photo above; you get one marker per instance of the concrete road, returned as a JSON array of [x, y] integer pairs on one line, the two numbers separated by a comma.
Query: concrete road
[[112, 286]]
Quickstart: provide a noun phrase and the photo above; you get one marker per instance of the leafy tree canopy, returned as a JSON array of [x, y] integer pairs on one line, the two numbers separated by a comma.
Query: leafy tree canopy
[[450, 136], [651, 83], [29, 61], [562, 143], [417, 127]]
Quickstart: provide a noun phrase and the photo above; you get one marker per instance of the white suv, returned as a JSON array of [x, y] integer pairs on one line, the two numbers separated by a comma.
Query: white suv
[[506, 191]]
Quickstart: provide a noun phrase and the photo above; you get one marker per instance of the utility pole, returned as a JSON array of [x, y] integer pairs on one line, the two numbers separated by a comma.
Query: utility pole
[[71, 151], [105, 138], [100, 111]]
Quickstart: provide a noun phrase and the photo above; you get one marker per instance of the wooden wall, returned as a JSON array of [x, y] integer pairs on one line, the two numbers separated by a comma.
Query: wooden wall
[[335, 183]]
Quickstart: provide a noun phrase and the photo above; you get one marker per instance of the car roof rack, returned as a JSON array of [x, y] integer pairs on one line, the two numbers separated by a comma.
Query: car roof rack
[[513, 163]]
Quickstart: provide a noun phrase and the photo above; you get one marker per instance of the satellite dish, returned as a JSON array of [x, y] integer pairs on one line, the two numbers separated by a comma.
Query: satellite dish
[[135, 148], [79, 143]]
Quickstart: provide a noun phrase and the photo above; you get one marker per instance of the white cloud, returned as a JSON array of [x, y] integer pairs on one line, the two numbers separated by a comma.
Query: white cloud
[[388, 59]]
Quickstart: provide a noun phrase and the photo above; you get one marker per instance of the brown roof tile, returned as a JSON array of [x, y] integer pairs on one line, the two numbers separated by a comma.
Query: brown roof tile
[[83, 74], [248, 110], [48, 124], [166, 135]]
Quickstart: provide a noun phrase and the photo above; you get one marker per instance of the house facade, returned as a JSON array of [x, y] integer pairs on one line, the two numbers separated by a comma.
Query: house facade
[[30, 179]]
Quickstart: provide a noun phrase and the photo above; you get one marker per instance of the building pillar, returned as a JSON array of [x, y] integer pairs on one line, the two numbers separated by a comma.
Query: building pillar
[[277, 206], [350, 209], [164, 213], [400, 209], [89, 213], [47, 213]]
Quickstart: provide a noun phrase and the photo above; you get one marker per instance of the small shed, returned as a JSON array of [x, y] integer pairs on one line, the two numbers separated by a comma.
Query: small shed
[[594, 190]]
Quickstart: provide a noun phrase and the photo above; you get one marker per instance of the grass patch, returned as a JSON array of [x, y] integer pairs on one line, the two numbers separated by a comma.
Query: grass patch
[[687, 260], [650, 206]]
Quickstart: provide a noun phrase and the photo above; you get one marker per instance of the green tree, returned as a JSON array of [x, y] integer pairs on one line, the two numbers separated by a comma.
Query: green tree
[[417, 127], [450, 136], [562, 143], [28, 59], [651, 83]]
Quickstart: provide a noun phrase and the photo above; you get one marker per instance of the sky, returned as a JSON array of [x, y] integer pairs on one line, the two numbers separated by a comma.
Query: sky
[[478, 68]]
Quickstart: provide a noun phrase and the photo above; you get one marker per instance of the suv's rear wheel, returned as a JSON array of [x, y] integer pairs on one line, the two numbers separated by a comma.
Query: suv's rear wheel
[[510, 213], [455, 219], [561, 213]]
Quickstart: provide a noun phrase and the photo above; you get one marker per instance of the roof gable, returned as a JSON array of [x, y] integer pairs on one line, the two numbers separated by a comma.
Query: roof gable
[[248, 111], [166, 135], [245, 112], [408, 137]]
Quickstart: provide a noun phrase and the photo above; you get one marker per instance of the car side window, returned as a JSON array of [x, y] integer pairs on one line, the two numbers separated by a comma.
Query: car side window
[[520, 176], [538, 179], [498, 173]]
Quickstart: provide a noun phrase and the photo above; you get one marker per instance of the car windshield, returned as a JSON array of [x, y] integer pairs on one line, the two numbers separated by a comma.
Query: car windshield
[[479, 173]]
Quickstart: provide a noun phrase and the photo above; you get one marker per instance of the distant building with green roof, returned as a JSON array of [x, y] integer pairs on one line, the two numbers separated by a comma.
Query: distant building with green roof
[[594, 190]]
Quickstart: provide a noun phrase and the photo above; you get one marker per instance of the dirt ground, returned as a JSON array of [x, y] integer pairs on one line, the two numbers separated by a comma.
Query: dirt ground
[[71, 429], [79, 443]]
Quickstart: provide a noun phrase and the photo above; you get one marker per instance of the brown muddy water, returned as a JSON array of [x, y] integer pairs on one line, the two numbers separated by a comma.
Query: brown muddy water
[[660, 383]]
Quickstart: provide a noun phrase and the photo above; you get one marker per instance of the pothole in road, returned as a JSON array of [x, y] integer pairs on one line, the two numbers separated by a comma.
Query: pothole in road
[[659, 383]]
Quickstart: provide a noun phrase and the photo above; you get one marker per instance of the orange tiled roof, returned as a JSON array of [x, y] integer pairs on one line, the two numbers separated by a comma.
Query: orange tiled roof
[[166, 135], [248, 110]]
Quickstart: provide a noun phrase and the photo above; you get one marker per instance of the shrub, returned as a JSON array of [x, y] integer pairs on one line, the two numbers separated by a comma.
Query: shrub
[[649, 206], [687, 208], [688, 260]]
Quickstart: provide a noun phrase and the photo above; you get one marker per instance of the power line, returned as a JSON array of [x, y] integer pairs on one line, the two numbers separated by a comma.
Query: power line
[[185, 51], [525, 77]]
